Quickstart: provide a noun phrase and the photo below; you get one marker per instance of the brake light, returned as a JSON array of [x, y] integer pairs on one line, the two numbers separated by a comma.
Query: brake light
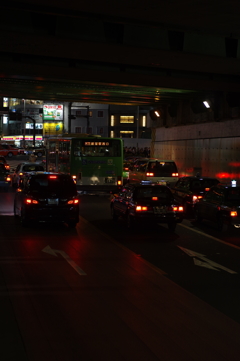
[[207, 189], [74, 177], [141, 208], [154, 198], [233, 213], [73, 201], [8, 179], [148, 174], [52, 177], [195, 198], [119, 181], [31, 201], [177, 208], [174, 174]]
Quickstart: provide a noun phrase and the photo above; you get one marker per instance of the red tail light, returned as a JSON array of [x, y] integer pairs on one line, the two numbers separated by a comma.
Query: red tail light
[[73, 201], [149, 174], [177, 208], [141, 208], [207, 189], [31, 201], [52, 177], [119, 181], [233, 213], [195, 198], [154, 198]]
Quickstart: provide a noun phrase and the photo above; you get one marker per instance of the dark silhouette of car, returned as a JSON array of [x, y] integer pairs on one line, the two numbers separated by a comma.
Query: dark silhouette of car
[[221, 205], [47, 197], [4, 161], [5, 179], [23, 169], [146, 204], [188, 190]]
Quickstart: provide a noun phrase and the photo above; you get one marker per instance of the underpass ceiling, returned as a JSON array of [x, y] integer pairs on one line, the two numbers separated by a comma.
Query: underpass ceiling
[[145, 77]]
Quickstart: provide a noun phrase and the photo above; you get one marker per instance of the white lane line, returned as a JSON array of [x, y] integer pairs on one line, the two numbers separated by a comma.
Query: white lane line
[[207, 235], [54, 252]]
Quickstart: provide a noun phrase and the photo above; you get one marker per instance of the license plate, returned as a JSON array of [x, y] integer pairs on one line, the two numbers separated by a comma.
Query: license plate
[[53, 201], [162, 183], [160, 210]]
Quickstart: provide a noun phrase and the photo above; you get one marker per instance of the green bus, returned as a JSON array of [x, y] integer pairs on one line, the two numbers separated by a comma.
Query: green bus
[[94, 162]]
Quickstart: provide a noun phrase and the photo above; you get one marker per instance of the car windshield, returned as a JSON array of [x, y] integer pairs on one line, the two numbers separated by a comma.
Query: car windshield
[[153, 191], [202, 184], [162, 168], [53, 184], [32, 168]]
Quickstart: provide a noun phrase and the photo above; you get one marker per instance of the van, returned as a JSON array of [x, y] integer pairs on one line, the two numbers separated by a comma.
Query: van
[[154, 170]]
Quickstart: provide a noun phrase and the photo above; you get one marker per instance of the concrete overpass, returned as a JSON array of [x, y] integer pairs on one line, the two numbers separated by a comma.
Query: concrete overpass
[[121, 52]]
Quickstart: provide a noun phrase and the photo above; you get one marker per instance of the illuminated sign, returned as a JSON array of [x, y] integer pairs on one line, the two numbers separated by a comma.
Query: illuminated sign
[[52, 112], [96, 144], [20, 137], [52, 128]]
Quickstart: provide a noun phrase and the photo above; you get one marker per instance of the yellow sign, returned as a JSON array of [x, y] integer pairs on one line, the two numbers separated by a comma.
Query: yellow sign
[[52, 128]]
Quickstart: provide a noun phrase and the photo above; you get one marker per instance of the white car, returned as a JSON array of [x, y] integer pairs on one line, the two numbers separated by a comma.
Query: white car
[[23, 169]]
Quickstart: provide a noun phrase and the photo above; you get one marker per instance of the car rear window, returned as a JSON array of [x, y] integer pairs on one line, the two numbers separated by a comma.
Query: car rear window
[[50, 184], [160, 168], [149, 192], [32, 168]]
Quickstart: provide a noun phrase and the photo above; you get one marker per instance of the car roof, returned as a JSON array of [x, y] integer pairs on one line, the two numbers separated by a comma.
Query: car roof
[[155, 159], [198, 177], [140, 185]]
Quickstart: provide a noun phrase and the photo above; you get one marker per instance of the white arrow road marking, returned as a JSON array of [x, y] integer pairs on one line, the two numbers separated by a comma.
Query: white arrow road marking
[[206, 262], [54, 252], [197, 262]]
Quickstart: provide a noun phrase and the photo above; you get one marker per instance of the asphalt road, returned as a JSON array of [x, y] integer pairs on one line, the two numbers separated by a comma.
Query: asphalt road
[[100, 292]]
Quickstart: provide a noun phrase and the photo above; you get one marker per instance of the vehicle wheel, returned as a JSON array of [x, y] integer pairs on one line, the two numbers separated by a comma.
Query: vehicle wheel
[[172, 226], [113, 214], [10, 154], [130, 221], [197, 216]]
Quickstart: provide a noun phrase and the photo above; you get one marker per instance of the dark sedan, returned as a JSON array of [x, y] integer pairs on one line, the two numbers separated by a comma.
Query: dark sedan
[[188, 190], [146, 204], [221, 205], [47, 197]]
